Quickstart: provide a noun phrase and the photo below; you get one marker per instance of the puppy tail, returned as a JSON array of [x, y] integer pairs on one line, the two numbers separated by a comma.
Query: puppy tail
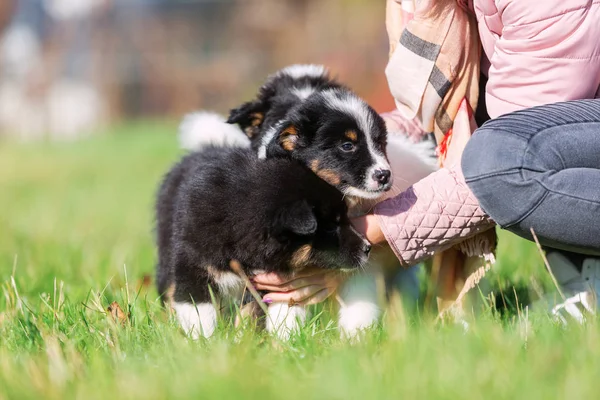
[[201, 129]]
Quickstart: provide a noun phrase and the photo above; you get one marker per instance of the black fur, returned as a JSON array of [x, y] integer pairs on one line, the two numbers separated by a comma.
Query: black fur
[[224, 204], [274, 99]]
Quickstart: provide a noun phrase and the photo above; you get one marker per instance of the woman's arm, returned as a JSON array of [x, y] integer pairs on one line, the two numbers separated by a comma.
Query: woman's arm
[[433, 215]]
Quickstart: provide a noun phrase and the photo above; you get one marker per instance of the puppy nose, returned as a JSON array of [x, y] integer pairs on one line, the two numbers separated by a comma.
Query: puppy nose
[[382, 176], [367, 248]]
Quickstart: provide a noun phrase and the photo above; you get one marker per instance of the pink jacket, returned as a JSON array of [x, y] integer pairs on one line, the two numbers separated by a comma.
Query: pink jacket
[[535, 53]]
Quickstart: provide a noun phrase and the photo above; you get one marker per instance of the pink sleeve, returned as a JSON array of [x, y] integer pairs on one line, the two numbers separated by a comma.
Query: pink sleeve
[[539, 55], [433, 215]]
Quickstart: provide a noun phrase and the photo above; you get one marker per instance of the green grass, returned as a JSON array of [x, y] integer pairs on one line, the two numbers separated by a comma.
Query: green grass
[[74, 217]]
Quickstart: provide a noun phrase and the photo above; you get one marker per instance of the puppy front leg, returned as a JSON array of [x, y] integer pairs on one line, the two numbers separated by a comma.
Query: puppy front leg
[[283, 319], [196, 319], [359, 309]]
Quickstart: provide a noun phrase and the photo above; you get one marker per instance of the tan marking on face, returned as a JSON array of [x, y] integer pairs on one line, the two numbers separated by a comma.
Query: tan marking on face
[[301, 257], [256, 118], [329, 176], [288, 144], [351, 135], [314, 166], [288, 138], [290, 130]]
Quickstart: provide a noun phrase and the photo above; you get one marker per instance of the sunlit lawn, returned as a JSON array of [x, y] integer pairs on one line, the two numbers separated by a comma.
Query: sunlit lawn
[[76, 234]]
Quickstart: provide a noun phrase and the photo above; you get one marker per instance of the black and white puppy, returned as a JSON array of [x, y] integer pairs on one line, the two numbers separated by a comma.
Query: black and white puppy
[[302, 113], [223, 204]]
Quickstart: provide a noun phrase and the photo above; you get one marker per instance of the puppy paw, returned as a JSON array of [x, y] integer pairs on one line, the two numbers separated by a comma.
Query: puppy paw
[[356, 317], [196, 319], [284, 320]]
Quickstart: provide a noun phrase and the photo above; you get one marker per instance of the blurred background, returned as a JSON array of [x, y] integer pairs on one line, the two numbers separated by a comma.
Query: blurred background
[[71, 67]]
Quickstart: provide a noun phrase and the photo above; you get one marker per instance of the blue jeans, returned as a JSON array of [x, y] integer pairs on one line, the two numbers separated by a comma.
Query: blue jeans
[[540, 168]]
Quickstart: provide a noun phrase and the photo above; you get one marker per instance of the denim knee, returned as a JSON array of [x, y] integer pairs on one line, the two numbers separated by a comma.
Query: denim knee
[[491, 151], [492, 165]]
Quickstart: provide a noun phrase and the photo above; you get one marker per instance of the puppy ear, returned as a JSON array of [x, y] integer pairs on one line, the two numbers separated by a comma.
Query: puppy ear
[[297, 130], [249, 116], [288, 137], [298, 218]]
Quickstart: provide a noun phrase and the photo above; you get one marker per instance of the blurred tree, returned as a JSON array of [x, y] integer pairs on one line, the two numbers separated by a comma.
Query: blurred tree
[[138, 58]]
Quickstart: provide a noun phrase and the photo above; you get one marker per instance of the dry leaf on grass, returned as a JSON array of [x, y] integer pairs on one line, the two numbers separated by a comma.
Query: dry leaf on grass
[[116, 313], [144, 283]]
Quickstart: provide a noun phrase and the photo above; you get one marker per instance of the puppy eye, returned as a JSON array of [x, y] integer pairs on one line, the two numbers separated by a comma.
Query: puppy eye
[[338, 218], [348, 147]]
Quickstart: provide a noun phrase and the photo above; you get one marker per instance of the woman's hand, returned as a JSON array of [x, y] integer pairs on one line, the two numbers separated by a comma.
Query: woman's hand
[[368, 226], [309, 286]]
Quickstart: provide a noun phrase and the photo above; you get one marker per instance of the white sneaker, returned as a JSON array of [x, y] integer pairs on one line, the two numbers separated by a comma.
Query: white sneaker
[[579, 288]]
